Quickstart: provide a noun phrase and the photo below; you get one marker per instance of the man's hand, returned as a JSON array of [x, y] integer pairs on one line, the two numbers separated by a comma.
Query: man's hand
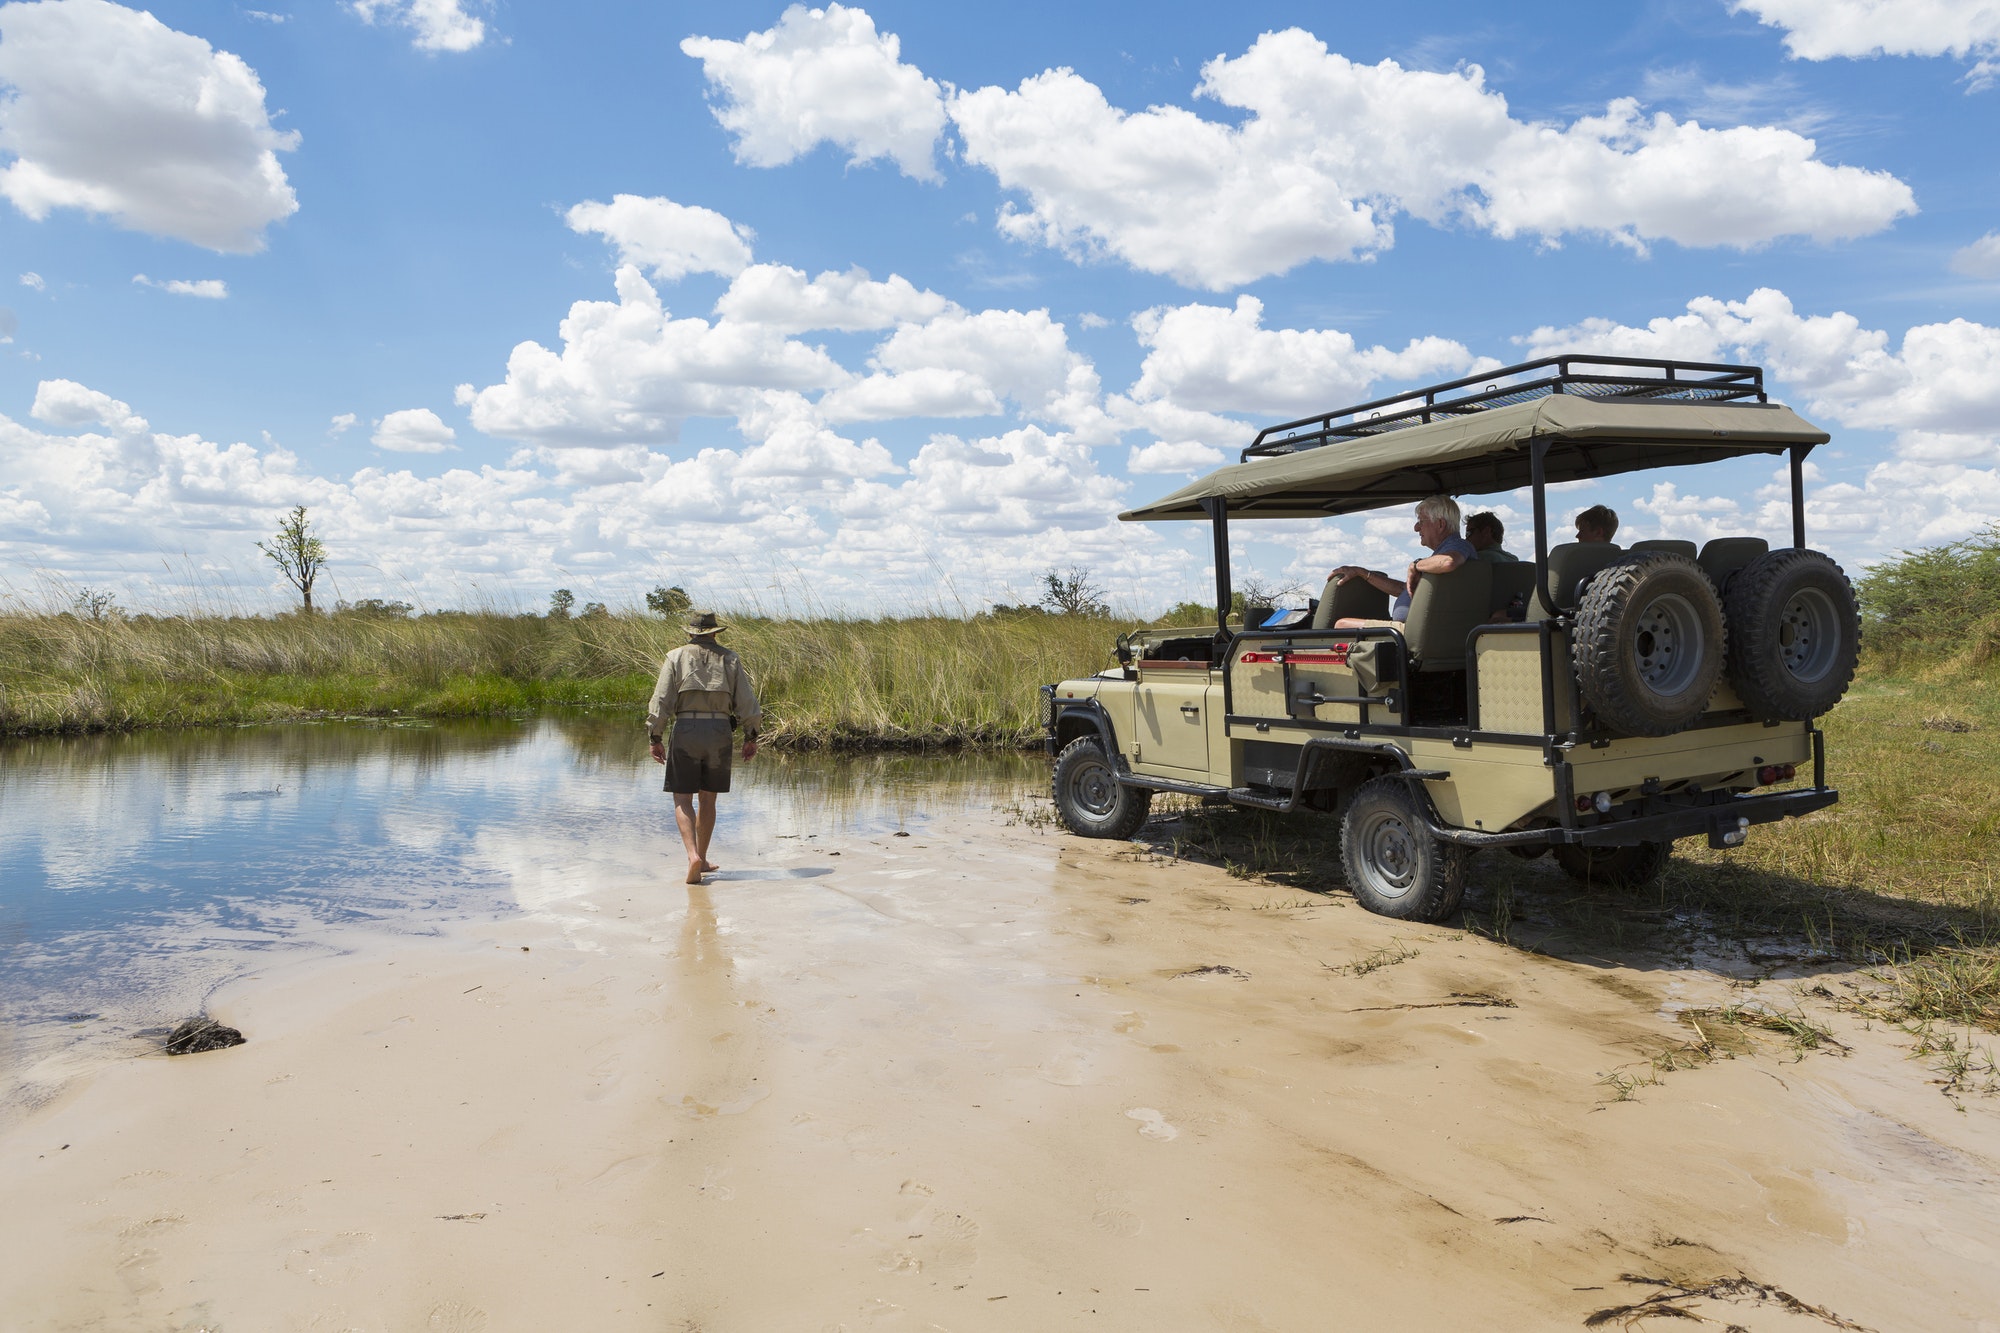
[[749, 751], [659, 752], [1349, 573]]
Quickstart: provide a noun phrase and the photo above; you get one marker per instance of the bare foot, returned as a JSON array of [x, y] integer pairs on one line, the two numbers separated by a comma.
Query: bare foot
[[708, 865], [694, 872]]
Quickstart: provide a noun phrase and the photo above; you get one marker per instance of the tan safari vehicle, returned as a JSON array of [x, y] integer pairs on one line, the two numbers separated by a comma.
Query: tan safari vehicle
[[1642, 695]]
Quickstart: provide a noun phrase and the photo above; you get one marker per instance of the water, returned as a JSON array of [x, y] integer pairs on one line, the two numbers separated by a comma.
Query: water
[[139, 872]]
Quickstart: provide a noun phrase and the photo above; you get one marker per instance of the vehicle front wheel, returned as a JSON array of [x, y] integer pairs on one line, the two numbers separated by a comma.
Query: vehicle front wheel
[[1631, 867], [1090, 799], [1395, 865]]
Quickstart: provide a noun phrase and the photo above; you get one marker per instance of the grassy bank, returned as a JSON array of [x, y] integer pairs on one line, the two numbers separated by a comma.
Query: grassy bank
[[911, 682]]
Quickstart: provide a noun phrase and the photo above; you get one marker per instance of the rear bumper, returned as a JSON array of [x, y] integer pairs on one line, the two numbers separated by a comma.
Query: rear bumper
[[1717, 818]]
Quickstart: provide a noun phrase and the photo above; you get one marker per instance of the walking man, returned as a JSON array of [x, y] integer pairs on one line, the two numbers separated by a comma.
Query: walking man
[[704, 693]]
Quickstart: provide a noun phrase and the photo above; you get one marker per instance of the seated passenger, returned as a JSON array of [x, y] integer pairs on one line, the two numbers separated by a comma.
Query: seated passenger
[[1437, 529], [1485, 532], [1599, 523]]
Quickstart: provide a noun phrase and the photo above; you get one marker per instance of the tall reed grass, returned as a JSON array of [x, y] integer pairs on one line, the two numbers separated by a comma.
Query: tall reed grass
[[928, 680]]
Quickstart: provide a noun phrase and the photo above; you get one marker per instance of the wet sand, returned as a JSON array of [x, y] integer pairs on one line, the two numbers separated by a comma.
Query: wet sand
[[989, 1077]]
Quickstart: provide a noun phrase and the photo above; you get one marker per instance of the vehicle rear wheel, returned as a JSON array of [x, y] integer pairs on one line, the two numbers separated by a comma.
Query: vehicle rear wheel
[[1631, 867], [1649, 644], [1394, 864], [1090, 799], [1794, 635]]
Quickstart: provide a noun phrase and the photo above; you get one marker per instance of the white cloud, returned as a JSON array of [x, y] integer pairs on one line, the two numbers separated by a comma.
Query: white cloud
[[1216, 359], [209, 289], [33, 280], [1330, 151], [781, 298], [1830, 29], [264, 16], [414, 430], [343, 423], [822, 76], [115, 113], [631, 373], [67, 403], [961, 364], [1091, 320], [1981, 259], [435, 25], [667, 239], [1183, 456]]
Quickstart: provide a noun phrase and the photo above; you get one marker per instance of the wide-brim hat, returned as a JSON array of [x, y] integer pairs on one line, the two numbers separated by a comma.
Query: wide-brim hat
[[704, 623]]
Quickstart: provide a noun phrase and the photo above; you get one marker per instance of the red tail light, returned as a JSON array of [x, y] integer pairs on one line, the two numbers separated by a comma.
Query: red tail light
[[1771, 773]]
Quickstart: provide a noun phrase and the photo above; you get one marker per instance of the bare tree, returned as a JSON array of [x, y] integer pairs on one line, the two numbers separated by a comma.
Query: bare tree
[[1071, 592], [297, 553]]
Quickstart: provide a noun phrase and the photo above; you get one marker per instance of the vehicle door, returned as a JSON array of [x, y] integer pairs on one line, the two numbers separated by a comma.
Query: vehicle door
[[1172, 717]]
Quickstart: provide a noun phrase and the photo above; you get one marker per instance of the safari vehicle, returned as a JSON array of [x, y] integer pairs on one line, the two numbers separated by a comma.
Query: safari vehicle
[[1644, 694]]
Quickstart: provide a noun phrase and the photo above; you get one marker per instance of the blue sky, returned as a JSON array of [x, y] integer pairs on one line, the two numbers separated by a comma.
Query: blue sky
[[520, 296]]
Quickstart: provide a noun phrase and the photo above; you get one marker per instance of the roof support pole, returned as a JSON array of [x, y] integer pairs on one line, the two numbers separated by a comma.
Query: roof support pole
[[1798, 452], [1538, 451], [1217, 510]]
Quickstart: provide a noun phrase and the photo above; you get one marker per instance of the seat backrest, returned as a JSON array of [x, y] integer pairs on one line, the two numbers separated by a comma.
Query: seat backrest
[[1570, 565], [1723, 556], [1511, 579], [1671, 545], [1444, 610], [1357, 598]]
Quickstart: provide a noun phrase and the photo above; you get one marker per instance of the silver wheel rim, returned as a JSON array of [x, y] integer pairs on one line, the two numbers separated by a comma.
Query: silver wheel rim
[[1389, 854], [1094, 787], [1667, 644], [1809, 635]]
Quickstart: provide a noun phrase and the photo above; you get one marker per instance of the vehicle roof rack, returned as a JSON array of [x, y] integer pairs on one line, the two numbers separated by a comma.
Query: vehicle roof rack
[[1608, 377]]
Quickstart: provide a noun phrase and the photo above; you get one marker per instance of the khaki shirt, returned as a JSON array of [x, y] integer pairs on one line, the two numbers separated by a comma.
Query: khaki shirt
[[703, 677]]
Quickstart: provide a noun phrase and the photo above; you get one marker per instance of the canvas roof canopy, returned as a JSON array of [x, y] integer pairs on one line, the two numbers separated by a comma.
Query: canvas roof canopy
[[1489, 451]]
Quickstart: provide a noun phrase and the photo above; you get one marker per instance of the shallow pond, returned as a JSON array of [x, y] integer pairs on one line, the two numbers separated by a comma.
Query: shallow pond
[[139, 872]]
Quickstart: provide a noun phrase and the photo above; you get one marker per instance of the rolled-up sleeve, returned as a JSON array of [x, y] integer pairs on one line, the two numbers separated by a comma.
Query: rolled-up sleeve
[[660, 711], [744, 704]]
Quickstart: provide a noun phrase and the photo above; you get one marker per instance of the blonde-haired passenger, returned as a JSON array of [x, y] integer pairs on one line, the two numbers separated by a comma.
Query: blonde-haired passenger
[[1437, 528]]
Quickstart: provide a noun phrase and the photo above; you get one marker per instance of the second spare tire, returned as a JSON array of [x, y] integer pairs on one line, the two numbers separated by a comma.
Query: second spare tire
[[1648, 644], [1794, 635]]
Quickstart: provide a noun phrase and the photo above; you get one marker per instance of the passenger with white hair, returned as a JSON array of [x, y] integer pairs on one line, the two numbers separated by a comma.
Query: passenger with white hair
[[1437, 528]]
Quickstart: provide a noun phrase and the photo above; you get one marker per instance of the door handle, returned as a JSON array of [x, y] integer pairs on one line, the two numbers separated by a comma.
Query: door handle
[[1191, 710]]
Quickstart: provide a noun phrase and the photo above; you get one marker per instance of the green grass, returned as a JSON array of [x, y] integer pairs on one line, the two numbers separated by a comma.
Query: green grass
[[913, 682]]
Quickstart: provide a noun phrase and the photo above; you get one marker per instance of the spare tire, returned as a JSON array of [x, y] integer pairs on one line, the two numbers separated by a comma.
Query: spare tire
[[1648, 644], [1794, 635]]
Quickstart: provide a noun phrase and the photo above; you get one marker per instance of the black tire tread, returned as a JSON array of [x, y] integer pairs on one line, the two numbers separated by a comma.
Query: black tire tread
[[1632, 867], [1134, 802], [1442, 888], [1596, 646], [1755, 670]]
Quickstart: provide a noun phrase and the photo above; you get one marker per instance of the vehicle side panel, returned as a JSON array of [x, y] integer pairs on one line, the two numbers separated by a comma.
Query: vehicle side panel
[[1171, 709], [1710, 755], [1491, 786]]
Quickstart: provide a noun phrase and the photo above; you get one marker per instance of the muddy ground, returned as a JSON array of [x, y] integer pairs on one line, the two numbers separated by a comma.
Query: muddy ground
[[990, 1076]]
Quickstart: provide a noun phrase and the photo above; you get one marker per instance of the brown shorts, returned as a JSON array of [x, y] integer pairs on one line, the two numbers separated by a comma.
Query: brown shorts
[[698, 754]]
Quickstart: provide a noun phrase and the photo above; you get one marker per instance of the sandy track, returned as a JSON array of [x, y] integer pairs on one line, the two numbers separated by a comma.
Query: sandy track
[[988, 1077]]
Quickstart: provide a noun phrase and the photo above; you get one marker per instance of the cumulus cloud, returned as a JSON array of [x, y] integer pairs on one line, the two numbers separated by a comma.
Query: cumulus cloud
[[343, 423], [67, 403], [114, 113], [822, 76], [33, 280], [1181, 456], [414, 430], [1981, 259], [1331, 151], [434, 25], [1217, 359], [963, 364], [667, 239], [1857, 29], [783, 299], [631, 372], [209, 289]]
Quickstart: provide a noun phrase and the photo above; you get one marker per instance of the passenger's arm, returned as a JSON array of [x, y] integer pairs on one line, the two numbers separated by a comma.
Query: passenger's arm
[[1375, 577]]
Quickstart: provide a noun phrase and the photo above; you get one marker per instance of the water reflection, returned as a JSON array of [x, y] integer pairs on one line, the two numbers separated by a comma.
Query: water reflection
[[137, 872]]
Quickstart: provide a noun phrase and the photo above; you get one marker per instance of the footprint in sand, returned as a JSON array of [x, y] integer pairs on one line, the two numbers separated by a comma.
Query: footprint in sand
[[1152, 1124], [456, 1317], [1113, 1216]]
